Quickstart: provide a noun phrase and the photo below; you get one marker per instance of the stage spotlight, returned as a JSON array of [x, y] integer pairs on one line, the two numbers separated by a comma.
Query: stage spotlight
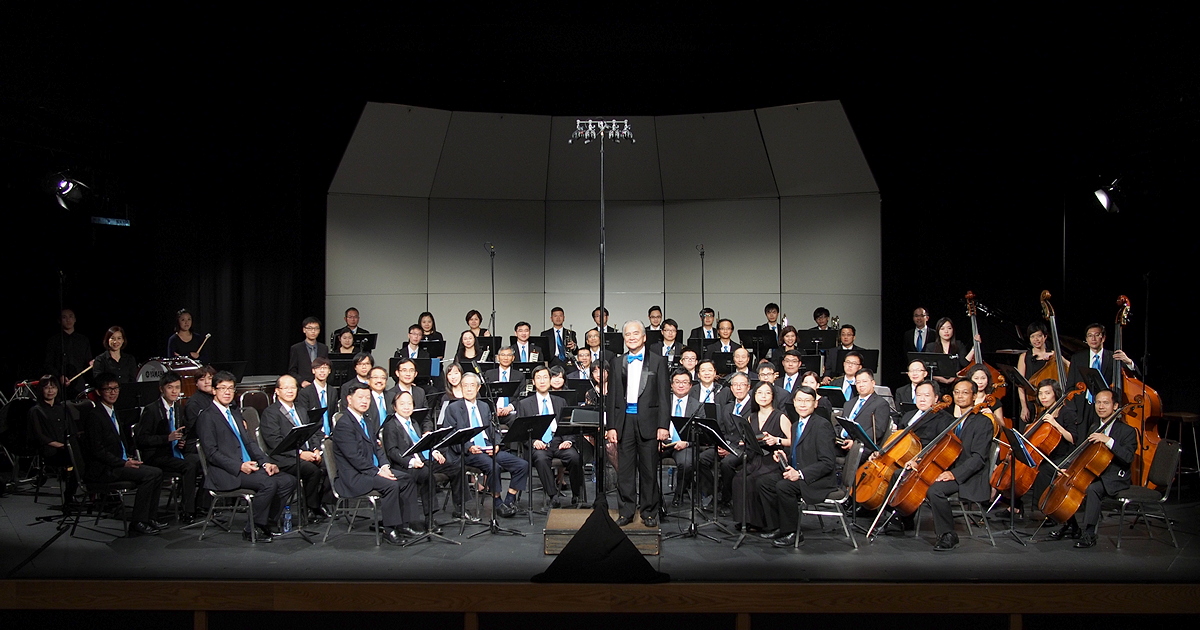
[[66, 189], [1107, 197]]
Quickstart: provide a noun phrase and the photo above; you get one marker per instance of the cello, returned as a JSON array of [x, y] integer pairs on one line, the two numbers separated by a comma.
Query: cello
[[932, 461], [1145, 409], [999, 386], [1084, 465], [1056, 369], [875, 475], [1044, 438]]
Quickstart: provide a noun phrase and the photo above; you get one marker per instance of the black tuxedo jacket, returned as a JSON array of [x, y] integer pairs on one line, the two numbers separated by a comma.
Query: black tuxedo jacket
[[153, 428], [275, 424], [653, 392], [814, 454], [904, 394], [299, 365], [657, 348], [102, 444], [690, 405], [221, 447], [1116, 477], [528, 407], [910, 339], [729, 421], [715, 347], [356, 470], [874, 417]]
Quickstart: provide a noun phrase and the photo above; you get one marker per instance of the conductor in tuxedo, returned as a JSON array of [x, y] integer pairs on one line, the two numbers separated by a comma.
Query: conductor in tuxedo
[[277, 421], [235, 461], [109, 457], [161, 442], [809, 473], [639, 423], [301, 355], [363, 466], [550, 445]]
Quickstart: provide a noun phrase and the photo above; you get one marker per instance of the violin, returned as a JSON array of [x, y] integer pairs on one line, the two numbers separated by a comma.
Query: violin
[[1056, 369], [1146, 410], [932, 461], [875, 475], [1087, 462], [1044, 438], [999, 385]]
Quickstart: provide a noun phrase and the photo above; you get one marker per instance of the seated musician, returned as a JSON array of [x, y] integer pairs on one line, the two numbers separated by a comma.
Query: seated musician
[[525, 351], [111, 457], [733, 412], [927, 425], [871, 412], [344, 344], [363, 466], [377, 381], [363, 362], [983, 381], [967, 476], [688, 360], [851, 364], [592, 340], [773, 431], [1121, 439], [301, 355], [318, 394], [771, 310], [846, 336], [655, 315], [277, 421], [788, 341], [469, 411], [741, 365], [400, 433], [235, 461], [706, 389], [809, 379], [682, 405], [724, 342], [406, 376], [506, 373], [162, 442], [583, 364], [767, 374], [705, 329], [811, 460], [946, 343], [670, 346], [412, 349], [820, 318], [558, 378], [791, 364], [1066, 422], [351, 318], [917, 374], [551, 445], [48, 425]]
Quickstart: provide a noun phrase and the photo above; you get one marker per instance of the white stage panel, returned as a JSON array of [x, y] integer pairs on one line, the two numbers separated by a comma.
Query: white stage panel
[[394, 151], [737, 259], [375, 245], [631, 168], [713, 156], [458, 258], [494, 156], [813, 150]]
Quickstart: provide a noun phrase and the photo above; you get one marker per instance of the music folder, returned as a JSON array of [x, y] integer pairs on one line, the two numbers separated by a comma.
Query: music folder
[[856, 433], [295, 438], [525, 428], [430, 441]]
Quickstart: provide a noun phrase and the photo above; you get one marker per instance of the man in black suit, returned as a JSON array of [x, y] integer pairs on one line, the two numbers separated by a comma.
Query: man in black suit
[[705, 330], [505, 373], [550, 445], [469, 412], [277, 421], [966, 476], [820, 318], [655, 315], [734, 411], [916, 337], [1098, 358], [413, 349], [362, 362], [1121, 439], [376, 382], [161, 443], [583, 361], [196, 403], [771, 310], [917, 374], [846, 336], [400, 432], [362, 466], [602, 327], [67, 352], [406, 375], [638, 424], [682, 405], [301, 355], [871, 411], [927, 426], [109, 457], [319, 395], [809, 475], [850, 367], [562, 340], [351, 317], [525, 351], [724, 342], [671, 346], [782, 397], [235, 461]]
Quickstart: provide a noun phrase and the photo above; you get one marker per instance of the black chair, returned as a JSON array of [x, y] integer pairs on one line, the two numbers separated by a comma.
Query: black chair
[[1163, 471], [238, 496], [97, 496], [342, 506]]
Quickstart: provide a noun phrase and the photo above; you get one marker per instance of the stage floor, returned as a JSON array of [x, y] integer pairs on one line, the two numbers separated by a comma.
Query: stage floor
[[824, 557]]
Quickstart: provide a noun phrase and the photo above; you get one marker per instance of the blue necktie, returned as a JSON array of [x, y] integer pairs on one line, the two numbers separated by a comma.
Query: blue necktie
[[789, 382], [1096, 366], [849, 389], [502, 401], [920, 338], [524, 354], [292, 413], [708, 334], [799, 430], [171, 429], [322, 399], [117, 427], [478, 440], [737, 409], [234, 427], [562, 353], [550, 429], [363, 423], [412, 434], [679, 408]]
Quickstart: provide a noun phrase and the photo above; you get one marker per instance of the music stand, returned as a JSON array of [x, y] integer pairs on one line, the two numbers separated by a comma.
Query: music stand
[[1094, 380], [750, 445], [818, 340], [1011, 375], [494, 526], [525, 368], [836, 396], [491, 344], [856, 433], [428, 442], [365, 342], [523, 429], [293, 441], [760, 342], [458, 438], [341, 369], [723, 361], [614, 342], [1016, 452], [570, 396], [700, 432], [653, 337]]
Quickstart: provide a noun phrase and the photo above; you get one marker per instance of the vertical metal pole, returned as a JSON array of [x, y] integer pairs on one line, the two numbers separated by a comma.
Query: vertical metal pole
[[602, 440]]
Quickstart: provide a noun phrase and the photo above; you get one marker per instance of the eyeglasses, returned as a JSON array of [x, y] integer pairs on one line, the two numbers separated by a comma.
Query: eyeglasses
[[226, 388], [312, 328], [111, 389]]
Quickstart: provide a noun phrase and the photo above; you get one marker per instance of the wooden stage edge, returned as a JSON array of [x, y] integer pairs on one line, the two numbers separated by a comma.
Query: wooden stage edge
[[691, 597]]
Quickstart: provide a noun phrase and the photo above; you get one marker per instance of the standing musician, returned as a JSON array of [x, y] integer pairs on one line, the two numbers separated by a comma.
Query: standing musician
[[505, 373], [549, 445], [724, 342], [301, 355], [871, 412], [810, 460], [185, 343], [596, 318], [655, 315], [820, 318], [474, 319], [638, 418], [319, 395], [351, 318], [113, 360], [771, 310], [946, 343], [1031, 361], [966, 476], [468, 412], [111, 458], [670, 347], [562, 340], [362, 467], [277, 421], [235, 461], [67, 352], [400, 433], [161, 440], [524, 351], [915, 338], [1097, 358], [705, 329], [1121, 439], [846, 335]]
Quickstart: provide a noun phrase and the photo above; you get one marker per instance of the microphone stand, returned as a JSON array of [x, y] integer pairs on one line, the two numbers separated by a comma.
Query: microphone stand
[[494, 527]]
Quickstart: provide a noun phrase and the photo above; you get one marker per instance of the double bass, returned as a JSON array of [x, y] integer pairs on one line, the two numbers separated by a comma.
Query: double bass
[[1145, 405], [1056, 369], [1084, 465], [999, 386], [874, 477], [1044, 438], [932, 461]]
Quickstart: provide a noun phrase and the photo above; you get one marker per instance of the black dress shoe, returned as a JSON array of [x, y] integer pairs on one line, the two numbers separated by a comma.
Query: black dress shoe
[[768, 535], [406, 530], [145, 529], [259, 538], [392, 537], [946, 542], [466, 517], [1086, 540], [187, 519], [504, 509], [650, 521], [787, 540], [1070, 530], [157, 525], [624, 520], [316, 517]]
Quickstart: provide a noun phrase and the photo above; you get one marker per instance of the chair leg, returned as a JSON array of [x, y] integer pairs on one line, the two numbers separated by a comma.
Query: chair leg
[[375, 518], [1166, 519], [249, 520], [1121, 523], [332, 517]]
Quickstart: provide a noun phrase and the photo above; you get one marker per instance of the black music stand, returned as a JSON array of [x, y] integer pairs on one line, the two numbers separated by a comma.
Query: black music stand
[[816, 340], [614, 342], [936, 363], [759, 342], [524, 429], [525, 368], [295, 439], [424, 368], [459, 438], [750, 444], [494, 526], [429, 442], [365, 342], [491, 344], [856, 433], [1017, 451], [723, 361], [700, 432], [341, 369], [836, 396], [570, 396], [1094, 380], [1013, 376], [653, 337], [580, 385]]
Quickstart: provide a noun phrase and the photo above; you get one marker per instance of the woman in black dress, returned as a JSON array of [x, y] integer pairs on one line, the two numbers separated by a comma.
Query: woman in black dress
[[474, 319], [113, 360], [468, 348], [773, 429], [946, 343], [787, 341], [48, 423], [345, 343], [185, 343], [1033, 360], [430, 333]]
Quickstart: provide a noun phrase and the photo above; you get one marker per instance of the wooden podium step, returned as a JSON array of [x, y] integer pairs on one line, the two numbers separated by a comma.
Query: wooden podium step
[[562, 524]]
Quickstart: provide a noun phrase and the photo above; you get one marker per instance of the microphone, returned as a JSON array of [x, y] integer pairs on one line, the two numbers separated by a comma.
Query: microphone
[[489, 247]]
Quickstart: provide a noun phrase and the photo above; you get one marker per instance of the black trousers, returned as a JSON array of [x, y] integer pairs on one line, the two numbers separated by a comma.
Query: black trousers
[[424, 475], [315, 482], [398, 503], [148, 483], [779, 499], [1091, 504], [728, 468], [939, 503], [270, 493], [571, 460], [190, 477], [638, 489]]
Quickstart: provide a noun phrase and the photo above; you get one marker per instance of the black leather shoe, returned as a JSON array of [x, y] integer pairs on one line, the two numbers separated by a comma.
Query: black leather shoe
[[650, 521], [787, 540], [271, 530], [946, 542], [1086, 540], [1070, 530], [157, 525], [187, 519], [466, 517], [624, 520], [505, 509], [392, 537], [555, 502], [145, 529], [768, 535], [259, 537], [316, 517], [406, 530]]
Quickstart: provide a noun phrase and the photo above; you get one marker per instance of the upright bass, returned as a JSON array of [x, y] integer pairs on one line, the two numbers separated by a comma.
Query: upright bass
[[1056, 369], [1144, 404], [999, 386]]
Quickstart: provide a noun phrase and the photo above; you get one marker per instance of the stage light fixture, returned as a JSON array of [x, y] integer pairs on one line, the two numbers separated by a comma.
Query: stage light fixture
[[66, 189], [1107, 197]]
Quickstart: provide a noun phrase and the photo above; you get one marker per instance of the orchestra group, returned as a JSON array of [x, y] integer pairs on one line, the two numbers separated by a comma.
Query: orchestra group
[[807, 408]]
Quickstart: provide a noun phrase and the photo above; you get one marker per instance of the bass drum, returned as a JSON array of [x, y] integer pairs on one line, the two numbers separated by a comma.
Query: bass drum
[[151, 371]]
